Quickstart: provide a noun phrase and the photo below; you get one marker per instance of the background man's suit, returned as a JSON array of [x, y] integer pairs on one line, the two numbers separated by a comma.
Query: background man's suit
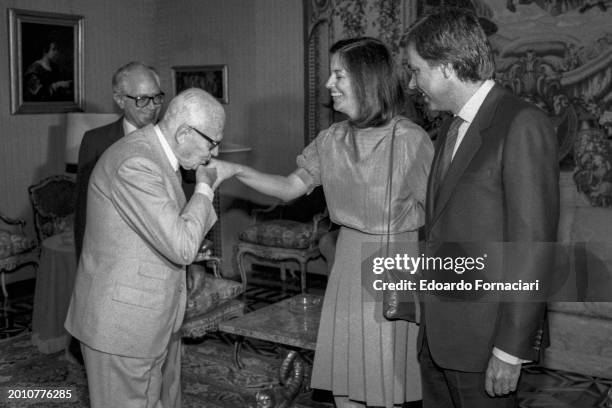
[[129, 295], [94, 143], [502, 186]]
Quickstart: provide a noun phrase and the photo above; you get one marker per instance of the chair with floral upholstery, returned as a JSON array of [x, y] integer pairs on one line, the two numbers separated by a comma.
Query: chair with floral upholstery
[[17, 249], [53, 201], [287, 232], [211, 298]]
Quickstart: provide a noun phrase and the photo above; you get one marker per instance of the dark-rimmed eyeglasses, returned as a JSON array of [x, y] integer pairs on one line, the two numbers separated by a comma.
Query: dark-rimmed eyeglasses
[[213, 143], [142, 101]]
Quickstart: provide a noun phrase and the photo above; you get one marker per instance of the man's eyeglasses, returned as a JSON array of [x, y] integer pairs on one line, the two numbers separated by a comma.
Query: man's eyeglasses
[[213, 143], [142, 101]]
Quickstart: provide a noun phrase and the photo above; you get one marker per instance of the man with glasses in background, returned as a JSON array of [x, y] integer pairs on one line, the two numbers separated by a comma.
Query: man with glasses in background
[[137, 92], [129, 297]]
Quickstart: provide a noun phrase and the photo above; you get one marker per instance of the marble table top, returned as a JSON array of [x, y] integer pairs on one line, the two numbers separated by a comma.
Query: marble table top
[[286, 322]]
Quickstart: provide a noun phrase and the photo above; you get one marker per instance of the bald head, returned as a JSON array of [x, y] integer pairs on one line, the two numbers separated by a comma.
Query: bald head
[[137, 80], [122, 76], [195, 107], [193, 127]]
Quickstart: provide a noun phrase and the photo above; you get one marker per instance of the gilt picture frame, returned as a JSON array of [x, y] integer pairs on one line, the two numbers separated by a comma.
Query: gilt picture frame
[[46, 62], [211, 78]]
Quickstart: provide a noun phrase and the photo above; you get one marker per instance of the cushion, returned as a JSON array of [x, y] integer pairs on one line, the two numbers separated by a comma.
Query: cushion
[[210, 293], [63, 224], [197, 326], [56, 225], [13, 243], [279, 233]]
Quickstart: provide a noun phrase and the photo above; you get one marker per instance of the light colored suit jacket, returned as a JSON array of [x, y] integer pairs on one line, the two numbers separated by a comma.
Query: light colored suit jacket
[[502, 186], [129, 294]]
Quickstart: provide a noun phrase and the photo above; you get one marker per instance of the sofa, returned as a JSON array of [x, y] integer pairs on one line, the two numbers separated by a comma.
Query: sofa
[[581, 331]]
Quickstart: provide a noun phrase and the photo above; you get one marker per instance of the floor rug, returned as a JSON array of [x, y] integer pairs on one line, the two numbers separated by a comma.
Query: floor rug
[[210, 378]]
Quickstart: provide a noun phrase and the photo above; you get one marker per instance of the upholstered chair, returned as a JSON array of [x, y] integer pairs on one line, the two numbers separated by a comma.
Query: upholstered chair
[[53, 202], [211, 297], [289, 232], [17, 249]]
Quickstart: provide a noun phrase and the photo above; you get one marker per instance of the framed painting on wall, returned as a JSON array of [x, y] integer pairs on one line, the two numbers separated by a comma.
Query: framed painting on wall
[[46, 62], [211, 78]]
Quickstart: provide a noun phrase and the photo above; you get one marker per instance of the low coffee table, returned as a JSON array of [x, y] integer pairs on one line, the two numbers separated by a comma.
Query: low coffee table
[[287, 322], [293, 322]]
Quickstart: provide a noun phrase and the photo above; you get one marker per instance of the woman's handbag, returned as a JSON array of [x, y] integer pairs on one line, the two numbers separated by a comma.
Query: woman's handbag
[[397, 304]]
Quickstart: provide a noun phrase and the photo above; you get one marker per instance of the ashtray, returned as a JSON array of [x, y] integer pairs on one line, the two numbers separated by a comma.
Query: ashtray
[[305, 303]]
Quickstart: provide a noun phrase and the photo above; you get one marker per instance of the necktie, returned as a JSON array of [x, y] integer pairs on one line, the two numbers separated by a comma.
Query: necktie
[[449, 146]]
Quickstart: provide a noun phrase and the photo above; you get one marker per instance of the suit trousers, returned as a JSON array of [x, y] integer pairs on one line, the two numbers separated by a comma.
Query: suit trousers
[[128, 382], [445, 388]]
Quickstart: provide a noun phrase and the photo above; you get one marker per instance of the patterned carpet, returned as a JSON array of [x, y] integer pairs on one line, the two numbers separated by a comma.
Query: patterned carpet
[[211, 380]]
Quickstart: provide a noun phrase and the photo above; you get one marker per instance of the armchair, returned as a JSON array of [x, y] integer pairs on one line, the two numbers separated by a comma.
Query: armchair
[[53, 202], [287, 232], [16, 249], [211, 299]]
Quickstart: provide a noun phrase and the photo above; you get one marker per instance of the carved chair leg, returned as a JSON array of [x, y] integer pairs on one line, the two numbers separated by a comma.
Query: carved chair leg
[[241, 270], [608, 400], [237, 345], [303, 276], [4, 291]]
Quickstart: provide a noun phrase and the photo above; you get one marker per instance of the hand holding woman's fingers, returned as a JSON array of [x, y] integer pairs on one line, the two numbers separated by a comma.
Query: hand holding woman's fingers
[[224, 170], [208, 175]]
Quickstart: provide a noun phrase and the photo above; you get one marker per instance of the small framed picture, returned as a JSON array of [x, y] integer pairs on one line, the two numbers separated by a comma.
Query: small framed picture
[[211, 78], [46, 62]]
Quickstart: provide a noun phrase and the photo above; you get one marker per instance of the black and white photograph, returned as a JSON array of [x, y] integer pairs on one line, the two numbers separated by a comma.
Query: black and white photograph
[[403, 204]]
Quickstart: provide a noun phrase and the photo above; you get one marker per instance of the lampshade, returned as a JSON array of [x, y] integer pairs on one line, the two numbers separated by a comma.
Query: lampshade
[[77, 123]]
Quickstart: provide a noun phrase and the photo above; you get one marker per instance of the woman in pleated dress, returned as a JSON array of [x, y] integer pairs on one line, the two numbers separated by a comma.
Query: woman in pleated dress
[[363, 359]]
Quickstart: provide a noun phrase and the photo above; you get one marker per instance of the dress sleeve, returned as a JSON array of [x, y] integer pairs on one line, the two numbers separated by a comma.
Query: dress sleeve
[[416, 149], [309, 163]]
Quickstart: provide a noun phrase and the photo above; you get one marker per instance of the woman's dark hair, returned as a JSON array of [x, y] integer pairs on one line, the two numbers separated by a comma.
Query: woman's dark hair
[[376, 84], [454, 36]]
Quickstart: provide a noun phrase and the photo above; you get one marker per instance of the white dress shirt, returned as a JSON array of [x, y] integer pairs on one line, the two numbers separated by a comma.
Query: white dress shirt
[[128, 127]]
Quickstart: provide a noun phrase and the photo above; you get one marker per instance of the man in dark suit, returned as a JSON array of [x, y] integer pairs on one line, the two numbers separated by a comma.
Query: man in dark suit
[[137, 92], [494, 179]]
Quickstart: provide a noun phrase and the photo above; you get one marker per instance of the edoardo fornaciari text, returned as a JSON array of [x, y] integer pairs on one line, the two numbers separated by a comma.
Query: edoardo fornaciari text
[[462, 285]]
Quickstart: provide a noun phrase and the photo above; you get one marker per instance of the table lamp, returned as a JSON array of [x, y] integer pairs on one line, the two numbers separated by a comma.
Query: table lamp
[[77, 123]]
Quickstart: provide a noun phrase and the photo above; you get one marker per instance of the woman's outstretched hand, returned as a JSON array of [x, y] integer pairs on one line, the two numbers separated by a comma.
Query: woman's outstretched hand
[[224, 170]]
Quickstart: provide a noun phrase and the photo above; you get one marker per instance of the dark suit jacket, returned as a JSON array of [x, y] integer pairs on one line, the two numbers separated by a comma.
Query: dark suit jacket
[[94, 143], [502, 186]]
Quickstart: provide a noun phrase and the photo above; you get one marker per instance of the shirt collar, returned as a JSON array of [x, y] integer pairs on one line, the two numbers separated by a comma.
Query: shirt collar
[[169, 153], [128, 127], [470, 109]]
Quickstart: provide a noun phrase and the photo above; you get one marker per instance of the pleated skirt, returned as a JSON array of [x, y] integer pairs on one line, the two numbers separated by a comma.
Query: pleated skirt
[[360, 354]]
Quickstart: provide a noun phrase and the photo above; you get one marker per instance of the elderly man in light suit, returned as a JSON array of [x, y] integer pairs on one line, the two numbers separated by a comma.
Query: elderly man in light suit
[[129, 297]]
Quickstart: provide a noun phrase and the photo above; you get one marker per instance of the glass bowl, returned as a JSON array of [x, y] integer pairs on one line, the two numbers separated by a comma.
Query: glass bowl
[[305, 303]]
